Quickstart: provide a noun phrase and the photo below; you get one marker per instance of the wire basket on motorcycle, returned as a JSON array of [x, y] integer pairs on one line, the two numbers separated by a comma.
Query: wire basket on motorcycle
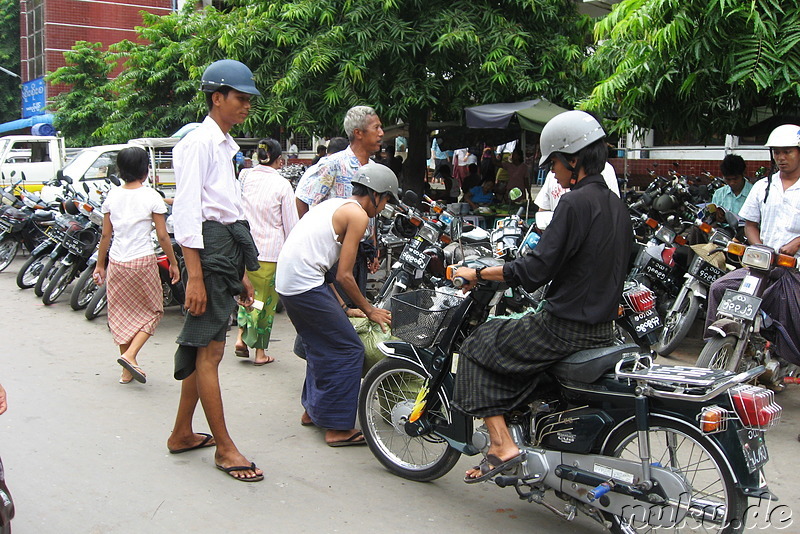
[[419, 316]]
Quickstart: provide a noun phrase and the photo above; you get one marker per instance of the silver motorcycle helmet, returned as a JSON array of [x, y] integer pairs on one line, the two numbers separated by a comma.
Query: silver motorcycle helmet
[[228, 73], [569, 132], [379, 178], [785, 135]]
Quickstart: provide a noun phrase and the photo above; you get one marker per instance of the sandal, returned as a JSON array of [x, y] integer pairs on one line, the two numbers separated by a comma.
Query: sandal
[[492, 465], [135, 370]]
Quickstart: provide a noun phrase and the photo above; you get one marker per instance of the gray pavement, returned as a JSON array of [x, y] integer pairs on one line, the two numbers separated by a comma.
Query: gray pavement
[[84, 454]]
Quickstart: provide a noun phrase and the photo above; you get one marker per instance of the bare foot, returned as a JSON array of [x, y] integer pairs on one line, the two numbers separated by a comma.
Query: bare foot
[[305, 419], [262, 358], [341, 438]]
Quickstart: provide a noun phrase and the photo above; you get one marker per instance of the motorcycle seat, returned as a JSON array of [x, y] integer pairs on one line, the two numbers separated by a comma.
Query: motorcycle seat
[[43, 215], [589, 365]]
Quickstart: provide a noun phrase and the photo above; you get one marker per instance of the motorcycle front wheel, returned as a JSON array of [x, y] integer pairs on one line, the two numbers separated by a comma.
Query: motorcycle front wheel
[[8, 251], [84, 290], [714, 502], [718, 353], [30, 271], [48, 271], [384, 404], [677, 325], [58, 284], [97, 304]]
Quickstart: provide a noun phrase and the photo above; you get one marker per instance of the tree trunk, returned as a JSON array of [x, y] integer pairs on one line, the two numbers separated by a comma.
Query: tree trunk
[[419, 150]]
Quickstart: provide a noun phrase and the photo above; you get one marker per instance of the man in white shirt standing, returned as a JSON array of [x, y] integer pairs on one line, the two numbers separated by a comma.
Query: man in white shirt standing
[[216, 243], [548, 197]]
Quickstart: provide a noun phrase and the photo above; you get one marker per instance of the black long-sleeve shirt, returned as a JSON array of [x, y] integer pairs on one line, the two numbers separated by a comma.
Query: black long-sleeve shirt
[[584, 253]]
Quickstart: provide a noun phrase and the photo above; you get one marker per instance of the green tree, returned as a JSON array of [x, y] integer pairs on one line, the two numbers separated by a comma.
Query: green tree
[[412, 60], [696, 67], [81, 111], [10, 94]]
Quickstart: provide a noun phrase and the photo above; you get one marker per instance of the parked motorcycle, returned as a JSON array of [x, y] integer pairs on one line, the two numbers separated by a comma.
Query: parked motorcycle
[[23, 227], [634, 445], [742, 337]]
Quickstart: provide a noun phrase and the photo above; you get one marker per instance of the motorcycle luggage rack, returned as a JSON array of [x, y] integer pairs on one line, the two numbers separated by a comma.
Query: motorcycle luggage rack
[[679, 381]]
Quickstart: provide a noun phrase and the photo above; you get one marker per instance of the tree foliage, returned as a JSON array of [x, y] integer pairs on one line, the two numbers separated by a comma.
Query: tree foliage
[[10, 94], [696, 67], [313, 59], [80, 112]]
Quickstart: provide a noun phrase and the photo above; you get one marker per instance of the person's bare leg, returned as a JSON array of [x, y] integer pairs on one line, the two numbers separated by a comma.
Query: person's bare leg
[[132, 349], [183, 435], [240, 344], [502, 444], [207, 372]]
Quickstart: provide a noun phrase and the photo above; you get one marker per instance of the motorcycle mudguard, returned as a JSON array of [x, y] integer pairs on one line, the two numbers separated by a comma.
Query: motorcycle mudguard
[[458, 432], [727, 327]]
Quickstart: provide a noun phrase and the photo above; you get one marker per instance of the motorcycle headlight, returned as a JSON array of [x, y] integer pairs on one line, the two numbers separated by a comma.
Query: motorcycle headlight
[[429, 234], [757, 257], [664, 234]]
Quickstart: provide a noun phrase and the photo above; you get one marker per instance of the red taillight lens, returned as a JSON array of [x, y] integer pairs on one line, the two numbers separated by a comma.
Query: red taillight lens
[[640, 300], [755, 406]]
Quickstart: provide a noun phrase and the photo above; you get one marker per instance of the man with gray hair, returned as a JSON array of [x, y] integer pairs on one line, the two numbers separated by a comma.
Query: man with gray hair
[[332, 176]]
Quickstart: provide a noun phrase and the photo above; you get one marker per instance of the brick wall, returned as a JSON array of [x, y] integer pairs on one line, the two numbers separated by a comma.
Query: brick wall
[[639, 176]]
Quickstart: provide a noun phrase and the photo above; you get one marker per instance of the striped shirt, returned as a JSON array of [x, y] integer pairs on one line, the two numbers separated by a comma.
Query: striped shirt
[[270, 209]]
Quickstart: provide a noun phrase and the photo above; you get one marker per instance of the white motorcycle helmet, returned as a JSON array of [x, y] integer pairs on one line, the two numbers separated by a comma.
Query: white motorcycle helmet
[[569, 132], [784, 135]]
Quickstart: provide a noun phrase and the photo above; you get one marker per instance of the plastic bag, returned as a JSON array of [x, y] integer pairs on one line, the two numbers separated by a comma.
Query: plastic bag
[[370, 334]]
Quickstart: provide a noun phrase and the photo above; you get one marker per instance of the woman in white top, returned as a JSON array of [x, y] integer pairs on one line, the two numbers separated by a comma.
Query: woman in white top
[[133, 286], [270, 209]]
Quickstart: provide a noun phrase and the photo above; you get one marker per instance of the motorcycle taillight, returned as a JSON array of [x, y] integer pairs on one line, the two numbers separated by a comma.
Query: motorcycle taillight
[[640, 300], [755, 406]]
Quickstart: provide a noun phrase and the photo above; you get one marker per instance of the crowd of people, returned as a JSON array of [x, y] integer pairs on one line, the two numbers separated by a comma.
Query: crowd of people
[[251, 239]]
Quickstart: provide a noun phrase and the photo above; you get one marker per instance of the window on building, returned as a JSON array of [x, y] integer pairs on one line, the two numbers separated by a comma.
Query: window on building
[[35, 37]]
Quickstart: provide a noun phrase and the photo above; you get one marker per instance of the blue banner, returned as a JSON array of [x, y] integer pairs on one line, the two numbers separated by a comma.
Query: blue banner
[[33, 98]]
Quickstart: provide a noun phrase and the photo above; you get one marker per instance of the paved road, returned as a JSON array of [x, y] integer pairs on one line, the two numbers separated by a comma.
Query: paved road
[[84, 454]]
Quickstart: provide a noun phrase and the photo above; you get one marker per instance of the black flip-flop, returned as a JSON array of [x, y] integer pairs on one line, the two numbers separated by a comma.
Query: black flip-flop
[[205, 443], [242, 353], [135, 370], [352, 440], [492, 465], [252, 467]]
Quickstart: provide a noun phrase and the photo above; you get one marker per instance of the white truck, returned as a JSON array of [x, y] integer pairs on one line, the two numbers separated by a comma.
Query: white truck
[[39, 157]]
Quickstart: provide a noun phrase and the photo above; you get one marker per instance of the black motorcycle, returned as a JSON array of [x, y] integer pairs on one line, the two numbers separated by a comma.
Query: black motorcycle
[[632, 444]]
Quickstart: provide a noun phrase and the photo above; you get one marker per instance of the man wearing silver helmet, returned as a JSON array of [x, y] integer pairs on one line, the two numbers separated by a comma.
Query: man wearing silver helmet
[[328, 234], [584, 254], [217, 246]]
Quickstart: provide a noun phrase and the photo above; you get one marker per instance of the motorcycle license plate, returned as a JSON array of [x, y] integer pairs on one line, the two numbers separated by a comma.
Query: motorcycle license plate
[[415, 258], [704, 271], [657, 270], [753, 447], [5, 226], [645, 322], [55, 234], [740, 305], [73, 246]]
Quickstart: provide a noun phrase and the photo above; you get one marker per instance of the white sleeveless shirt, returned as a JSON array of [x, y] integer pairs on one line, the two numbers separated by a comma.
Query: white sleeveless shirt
[[310, 250]]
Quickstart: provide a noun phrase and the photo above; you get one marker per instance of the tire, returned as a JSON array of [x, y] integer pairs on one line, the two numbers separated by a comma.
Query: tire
[[718, 354], [677, 325], [684, 450], [8, 251], [386, 399], [31, 270], [64, 275], [84, 290], [48, 271], [97, 304]]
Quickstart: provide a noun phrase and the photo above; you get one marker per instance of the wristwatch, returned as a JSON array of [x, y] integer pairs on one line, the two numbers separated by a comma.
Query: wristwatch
[[478, 273]]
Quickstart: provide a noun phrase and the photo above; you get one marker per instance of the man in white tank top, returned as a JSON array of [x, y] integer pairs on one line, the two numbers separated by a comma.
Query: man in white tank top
[[334, 353]]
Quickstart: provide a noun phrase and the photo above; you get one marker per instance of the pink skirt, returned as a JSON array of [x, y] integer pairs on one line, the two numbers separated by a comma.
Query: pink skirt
[[135, 299]]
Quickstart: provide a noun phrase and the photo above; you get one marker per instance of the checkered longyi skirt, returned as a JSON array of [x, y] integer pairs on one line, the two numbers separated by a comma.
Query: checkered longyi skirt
[[135, 299], [500, 362]]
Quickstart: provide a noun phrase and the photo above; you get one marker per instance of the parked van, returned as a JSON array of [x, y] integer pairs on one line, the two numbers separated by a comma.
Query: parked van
[[39, 157]]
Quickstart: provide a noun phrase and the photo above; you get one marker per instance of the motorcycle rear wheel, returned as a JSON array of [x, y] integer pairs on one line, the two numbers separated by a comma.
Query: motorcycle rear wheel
[[84, 290], [384, 404], [685, 451], [677, 325], [718, 354], [64, 275], [48, 271], [97, 304], [30, 271], [8, 251]]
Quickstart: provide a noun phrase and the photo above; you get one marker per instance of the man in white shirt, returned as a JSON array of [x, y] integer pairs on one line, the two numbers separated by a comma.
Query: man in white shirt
[[548, 197], [217, 246]]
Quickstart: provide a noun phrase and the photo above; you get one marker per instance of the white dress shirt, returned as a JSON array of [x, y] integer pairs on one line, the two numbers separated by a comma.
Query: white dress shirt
[[205, 180], [551, 192], [779, 218]]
